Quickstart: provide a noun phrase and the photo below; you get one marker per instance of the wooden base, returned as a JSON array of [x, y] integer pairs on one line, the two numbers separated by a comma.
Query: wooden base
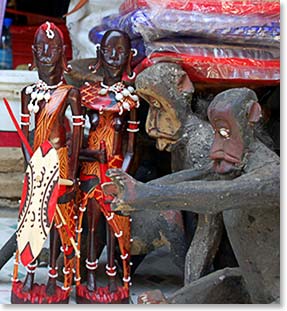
[[102, 295], [37, 295]]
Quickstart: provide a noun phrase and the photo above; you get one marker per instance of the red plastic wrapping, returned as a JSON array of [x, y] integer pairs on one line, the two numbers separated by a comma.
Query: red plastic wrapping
[[232, 41], [209, 6], [214, 70]]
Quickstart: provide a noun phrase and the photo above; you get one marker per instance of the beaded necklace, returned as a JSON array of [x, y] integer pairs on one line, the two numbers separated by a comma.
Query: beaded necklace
[[39, 91], [121, 94]]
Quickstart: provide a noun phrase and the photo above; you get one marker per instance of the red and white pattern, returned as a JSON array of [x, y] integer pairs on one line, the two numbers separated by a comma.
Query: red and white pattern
[[38, 202]]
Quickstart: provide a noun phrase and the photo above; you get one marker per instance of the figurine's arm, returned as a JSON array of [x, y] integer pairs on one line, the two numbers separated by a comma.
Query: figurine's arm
[[133, 128], [75, 103], [118, 133], [257, 189], [86, 154], [25, 122]]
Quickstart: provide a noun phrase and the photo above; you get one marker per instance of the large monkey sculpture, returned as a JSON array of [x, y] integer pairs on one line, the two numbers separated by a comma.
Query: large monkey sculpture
[[188, 138], [243, 184]]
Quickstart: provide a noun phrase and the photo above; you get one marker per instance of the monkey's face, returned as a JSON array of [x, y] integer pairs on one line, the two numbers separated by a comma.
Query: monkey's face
[[228, 146], [162, 123]]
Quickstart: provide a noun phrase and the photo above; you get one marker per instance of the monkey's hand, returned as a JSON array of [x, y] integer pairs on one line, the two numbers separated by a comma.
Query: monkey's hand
[[125, 190]]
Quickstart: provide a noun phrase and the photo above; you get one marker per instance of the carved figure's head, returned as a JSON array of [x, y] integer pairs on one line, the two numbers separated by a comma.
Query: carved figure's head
[[114, 55], [115, 49], [167, 89], [232, 115], [48, 49]]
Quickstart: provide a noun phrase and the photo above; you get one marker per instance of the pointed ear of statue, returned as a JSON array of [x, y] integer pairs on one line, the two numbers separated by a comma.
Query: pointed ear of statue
[[33, 65], [67, 68], [254, 112], [94, 68], [129, 64]]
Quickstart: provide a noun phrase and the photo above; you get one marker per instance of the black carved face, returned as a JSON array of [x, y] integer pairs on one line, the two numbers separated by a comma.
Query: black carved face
[[48, 47], [115, 49]]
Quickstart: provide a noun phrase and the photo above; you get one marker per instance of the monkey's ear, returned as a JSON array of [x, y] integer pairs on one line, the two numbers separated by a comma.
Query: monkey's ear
[[254, 112], [185, 85]]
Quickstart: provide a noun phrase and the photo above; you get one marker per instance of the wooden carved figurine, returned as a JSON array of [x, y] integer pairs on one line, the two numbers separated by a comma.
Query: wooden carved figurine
[[243, 184], [111, 108], [47, 204]]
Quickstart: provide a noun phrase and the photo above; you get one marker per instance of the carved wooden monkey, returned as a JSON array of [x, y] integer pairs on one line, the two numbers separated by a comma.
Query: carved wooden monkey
[[244, 184]]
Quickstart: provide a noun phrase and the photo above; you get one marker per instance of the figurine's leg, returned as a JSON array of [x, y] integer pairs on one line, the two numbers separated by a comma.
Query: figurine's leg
[[203, 247], [111, 267], [54, 253], [29, 280], [94, 213]]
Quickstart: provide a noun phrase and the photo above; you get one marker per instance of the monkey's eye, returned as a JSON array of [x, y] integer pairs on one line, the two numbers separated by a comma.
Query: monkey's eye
[[224, 132], [156, 104]]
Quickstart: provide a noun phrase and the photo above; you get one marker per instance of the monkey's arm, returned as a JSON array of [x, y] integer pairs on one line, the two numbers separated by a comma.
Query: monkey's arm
[[184, 175], [257, 189]]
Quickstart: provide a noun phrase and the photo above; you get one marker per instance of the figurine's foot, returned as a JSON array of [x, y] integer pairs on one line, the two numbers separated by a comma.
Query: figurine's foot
[[28, 283], [112, 285], [152, 297], [38, 295], [91, 281], [51, 286], [102, 295]]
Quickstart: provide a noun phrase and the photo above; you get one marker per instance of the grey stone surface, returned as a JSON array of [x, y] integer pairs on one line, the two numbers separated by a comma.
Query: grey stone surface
[[11, 177], [11, 185], [11, 160]]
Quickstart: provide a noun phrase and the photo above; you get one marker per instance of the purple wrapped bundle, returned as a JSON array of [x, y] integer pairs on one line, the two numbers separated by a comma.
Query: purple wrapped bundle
[[161, 23], [207, 48], [130, 22]]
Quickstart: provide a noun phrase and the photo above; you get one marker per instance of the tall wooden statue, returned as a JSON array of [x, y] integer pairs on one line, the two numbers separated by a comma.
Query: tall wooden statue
[[47, 205], [111, 108]]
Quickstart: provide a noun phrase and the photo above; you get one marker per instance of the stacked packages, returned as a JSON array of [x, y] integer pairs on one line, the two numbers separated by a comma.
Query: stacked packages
[[214, 40]]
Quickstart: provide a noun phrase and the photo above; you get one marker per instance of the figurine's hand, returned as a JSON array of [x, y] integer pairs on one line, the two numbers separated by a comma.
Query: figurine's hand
[[67, 190], [124, 189], [93, 155]]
